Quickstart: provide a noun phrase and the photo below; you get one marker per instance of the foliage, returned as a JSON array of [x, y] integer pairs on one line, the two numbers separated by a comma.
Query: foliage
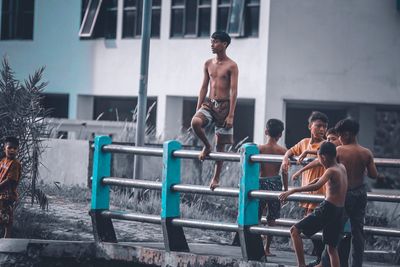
[[22, 116]]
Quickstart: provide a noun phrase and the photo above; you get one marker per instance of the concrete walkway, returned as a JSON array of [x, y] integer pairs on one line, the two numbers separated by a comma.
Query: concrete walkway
[[29, 252]]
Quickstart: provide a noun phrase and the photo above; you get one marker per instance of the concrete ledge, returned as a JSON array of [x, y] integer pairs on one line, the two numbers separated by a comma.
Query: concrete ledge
[[29, 252]]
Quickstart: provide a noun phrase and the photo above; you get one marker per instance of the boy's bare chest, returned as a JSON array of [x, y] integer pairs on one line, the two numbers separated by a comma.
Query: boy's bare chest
[[219, 72]]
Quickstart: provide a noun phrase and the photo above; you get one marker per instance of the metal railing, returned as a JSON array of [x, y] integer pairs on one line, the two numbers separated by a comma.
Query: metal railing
[[247, 225]]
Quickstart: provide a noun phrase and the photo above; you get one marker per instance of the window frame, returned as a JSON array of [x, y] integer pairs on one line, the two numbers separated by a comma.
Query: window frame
[[243, 17], [137, 32], [183, 7], [17, 21], [85, 18]]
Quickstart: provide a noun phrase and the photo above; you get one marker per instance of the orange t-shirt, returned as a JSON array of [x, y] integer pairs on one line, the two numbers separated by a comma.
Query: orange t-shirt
[[9, 170], [309, 175]]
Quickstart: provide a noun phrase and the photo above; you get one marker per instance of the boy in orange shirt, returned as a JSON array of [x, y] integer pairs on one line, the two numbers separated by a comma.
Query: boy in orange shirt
[[10, 173], [317, 124]]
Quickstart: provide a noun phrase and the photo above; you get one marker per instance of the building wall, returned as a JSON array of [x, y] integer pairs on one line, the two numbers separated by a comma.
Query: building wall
[[335, 51], [111, 67]]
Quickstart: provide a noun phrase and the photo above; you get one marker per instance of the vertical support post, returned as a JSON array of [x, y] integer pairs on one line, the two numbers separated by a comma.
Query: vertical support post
[[251, 244], [174, 237], [103, 229]]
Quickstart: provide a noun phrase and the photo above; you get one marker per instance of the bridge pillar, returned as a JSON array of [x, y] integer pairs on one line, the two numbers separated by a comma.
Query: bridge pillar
[[103, 229], [251, 244], [174, 237]]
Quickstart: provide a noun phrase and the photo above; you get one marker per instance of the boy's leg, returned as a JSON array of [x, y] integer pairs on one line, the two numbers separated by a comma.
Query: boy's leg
[[217, 168], [269, 240], [297, 245], [355, 207], [334, 256], [7, 231], [197, 125]]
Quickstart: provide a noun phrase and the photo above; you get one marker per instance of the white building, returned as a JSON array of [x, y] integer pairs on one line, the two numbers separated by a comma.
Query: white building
[[339, 56]]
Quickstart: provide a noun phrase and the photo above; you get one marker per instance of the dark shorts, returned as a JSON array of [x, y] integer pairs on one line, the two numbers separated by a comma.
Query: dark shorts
[[215, 112], [326, 217], [6, 212], [273, 183]]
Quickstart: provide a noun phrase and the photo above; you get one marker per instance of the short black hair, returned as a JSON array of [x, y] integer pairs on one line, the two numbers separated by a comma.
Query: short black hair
[[222, 36], [331, 131], [327, 149], [347, 125], [274, 127], [317, 115], [12, 141]]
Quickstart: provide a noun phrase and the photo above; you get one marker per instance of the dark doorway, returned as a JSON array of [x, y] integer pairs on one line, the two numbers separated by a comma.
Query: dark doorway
[[121, 109], [56, 105], [243, 121], [297, 120]]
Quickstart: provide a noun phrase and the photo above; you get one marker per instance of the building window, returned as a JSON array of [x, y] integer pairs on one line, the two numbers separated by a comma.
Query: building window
[[17, 19], [190, 18], [122, 109], [132, 20], [56, 105], [238, 17], [99, 19]]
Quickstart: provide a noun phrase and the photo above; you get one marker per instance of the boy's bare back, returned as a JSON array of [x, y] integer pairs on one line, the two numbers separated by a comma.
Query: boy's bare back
[[271, 169], [336, 186], [221, 76], [357, 160]]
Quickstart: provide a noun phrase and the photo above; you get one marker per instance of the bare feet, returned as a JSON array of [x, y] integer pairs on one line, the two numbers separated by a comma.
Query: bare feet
[[214, 183], [204, 153], [269, 254]]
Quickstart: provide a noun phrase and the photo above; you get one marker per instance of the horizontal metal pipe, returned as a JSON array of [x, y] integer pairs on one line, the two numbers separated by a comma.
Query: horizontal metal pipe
[[205, 190], [146, 184], [372, 230], [278, 231], [120, 215], [146, 151], [262, 194], [194, 154], [219, 226]]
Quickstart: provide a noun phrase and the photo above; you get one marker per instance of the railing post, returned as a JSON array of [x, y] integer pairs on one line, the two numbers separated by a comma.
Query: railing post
[[251, 244], [174, 237], [103, 229]]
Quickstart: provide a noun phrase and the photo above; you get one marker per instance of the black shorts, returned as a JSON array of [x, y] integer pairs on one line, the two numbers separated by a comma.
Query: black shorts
[[326, 217]]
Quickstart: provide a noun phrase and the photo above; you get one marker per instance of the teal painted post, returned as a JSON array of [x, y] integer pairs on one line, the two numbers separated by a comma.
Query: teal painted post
[[248, 208], [170, 200], [251, 244], [174, 237], [101, 169], [103, 228]]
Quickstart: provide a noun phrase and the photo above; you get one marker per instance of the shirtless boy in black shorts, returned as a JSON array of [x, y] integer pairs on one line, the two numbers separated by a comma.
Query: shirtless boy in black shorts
[[329, 215]]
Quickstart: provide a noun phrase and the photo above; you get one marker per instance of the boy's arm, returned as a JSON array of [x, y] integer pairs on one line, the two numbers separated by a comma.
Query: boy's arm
[[204, 86], [285, 161], [304, 154], [233, 96], [312, 164], [371, 167], [285, 181], [12, 176], [313, 186]]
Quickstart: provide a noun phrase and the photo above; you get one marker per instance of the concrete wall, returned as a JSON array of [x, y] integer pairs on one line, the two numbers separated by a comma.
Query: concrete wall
[[333, 51], [111, 67], [65, 161]]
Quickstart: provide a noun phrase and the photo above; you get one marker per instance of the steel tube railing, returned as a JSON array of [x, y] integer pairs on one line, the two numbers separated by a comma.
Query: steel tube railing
[[261, 194], [120, 215], [145, 184], [372, 230], [205, 190], [194, 154], [208, 225], [146, 151]]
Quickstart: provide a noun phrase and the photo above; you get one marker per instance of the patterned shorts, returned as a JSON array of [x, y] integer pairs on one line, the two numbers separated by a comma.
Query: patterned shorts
[[273, 183], [6, 212]]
